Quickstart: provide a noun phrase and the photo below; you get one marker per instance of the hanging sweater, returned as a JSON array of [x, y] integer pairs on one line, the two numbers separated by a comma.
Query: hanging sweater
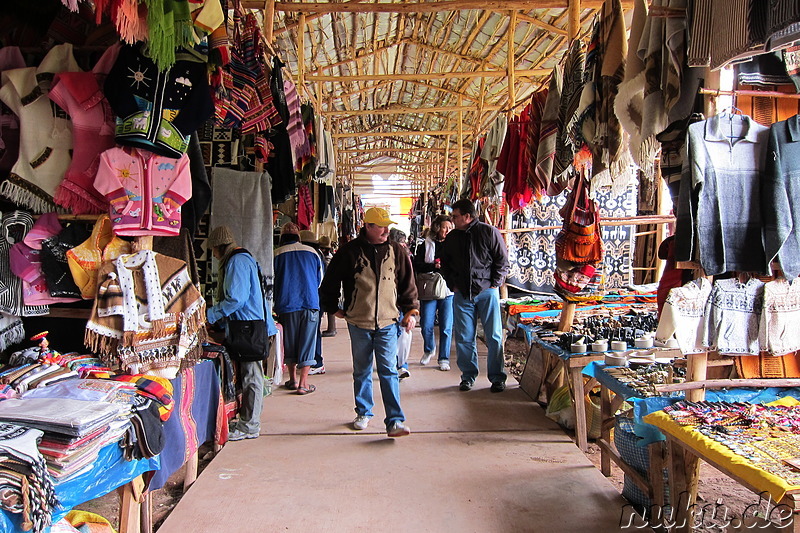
[[157, 110], [45, 131], [733, 315], [778, 331], [145, 190], [80, 95], [10, 58], [14, 227], [683, 315], [85, 260], [719, 211]]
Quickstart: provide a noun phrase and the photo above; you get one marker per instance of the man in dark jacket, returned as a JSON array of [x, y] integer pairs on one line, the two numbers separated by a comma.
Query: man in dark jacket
[[377, 281], [474, 265]]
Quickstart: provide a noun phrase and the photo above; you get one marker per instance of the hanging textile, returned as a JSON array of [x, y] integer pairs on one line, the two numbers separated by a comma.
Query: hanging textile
[[242, 201], [45, 131], [571, 88], [15, 225], [719, 216], [533, 137], [512, 163], [532, 254], [10, 58], [546, 152]]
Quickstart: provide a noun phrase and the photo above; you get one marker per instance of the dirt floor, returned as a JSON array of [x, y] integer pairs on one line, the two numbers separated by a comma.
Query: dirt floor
[[714, 487]]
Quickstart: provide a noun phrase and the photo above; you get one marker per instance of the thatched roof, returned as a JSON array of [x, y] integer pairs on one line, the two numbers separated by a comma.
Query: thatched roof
[[407, 86]]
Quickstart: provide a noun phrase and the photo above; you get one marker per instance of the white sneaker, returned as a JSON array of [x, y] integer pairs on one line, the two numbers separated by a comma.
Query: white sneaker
[[397, 429], [426, 358], [361, 422], [403, 373], [317, 370], [444, 366]]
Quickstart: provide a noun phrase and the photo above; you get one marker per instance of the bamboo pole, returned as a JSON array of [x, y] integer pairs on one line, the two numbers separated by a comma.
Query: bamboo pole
[[301, 50], [269, 20], [425, 7], [574, 19], [460, 147], [534, 72], [410, 109], [512, 101]]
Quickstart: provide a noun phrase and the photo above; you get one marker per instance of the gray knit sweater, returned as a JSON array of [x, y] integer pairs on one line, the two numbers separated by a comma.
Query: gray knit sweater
[[719, 211]]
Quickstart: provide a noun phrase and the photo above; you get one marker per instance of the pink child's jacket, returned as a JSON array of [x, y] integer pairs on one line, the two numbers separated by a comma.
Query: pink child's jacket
[[145, 190]]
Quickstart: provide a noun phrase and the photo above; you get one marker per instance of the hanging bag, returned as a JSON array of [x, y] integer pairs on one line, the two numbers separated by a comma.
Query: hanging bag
[[247, 340], [431, 286], [579, 240]]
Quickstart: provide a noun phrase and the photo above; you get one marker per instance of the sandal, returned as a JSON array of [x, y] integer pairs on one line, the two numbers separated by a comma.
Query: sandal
[[306, 390], [291, 385]]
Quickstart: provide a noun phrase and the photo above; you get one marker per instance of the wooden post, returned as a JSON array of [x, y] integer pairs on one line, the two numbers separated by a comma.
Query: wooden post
[[512, 102], [301, 50], [129, 512], [460, 147], [146, 513], [190, 472], [567, 316], [574, 20], [269, 20]]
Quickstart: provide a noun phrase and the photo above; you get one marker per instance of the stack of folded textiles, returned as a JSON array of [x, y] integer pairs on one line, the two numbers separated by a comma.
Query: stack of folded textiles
[[74, 429], [69, 454], [25, 486]]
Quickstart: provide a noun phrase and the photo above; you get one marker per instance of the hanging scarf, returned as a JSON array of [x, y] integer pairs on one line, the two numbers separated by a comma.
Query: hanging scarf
[[571, 89], [548, 132]]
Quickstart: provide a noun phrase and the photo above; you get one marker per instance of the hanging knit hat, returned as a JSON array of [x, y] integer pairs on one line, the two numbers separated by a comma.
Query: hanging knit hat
[[220, 236]]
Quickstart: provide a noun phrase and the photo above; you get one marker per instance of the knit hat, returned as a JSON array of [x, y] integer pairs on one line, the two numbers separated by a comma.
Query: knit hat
[[290, 228], [378, 216], [220, 236], [308, 236]]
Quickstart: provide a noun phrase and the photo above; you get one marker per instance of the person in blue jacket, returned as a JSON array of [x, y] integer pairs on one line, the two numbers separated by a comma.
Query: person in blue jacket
[[239, 297], [298, 273]]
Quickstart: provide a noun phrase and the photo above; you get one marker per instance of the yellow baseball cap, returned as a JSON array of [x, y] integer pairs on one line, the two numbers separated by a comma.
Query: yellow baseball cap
[[378, 216]]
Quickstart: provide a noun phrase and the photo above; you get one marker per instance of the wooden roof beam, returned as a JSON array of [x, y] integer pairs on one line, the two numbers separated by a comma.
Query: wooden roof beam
[[392, 133], [409, 110], [541, 24], [536, 72], [425, 7]]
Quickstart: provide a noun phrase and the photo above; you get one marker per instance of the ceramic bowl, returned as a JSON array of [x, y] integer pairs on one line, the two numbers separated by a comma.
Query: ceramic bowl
[[643, 342], [600, 346], [578, 348], [619, 346], [615, 359]]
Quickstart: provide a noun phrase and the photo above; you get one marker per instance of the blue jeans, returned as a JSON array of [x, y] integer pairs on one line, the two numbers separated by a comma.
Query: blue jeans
[[300, 332], [427, 311], [383, 344], [485, 306]]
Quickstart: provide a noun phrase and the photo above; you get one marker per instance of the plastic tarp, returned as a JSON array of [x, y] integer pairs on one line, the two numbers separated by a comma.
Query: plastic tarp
[[108, 472]]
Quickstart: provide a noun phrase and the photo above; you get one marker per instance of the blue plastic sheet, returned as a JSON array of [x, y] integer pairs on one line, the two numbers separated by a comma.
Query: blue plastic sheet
[[109, 471], [644, 406]]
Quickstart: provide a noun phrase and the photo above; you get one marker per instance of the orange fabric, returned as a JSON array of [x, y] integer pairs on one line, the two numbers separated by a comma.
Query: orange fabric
[[768, 366], [766, 110]]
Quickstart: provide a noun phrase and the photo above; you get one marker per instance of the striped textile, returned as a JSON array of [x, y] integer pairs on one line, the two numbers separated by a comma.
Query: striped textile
[[536, 113], [546, 151], [571, 89]]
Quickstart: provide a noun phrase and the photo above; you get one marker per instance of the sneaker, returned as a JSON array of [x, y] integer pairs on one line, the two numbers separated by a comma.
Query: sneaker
[[465, 385], [361, 422], [241, 435], [426, 358], [397, 429], [316, 370], [444, 366], [403, 373], [498, 386]]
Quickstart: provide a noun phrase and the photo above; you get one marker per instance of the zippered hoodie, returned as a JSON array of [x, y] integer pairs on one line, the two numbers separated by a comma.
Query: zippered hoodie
[[377, 280]]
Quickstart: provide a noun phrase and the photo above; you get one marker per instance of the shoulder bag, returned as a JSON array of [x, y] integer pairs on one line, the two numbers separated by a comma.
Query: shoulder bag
[[431, 286], [579, 240], [247, 339]]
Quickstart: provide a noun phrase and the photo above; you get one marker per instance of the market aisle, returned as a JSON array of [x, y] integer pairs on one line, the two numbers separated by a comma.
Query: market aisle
[[475, 462]]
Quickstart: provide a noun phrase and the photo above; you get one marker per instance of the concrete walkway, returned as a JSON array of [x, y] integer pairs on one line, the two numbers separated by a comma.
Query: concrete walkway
[[475, 462]]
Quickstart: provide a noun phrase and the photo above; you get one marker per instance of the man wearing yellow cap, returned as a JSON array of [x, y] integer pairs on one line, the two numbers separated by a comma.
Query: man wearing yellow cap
[[376, 280]]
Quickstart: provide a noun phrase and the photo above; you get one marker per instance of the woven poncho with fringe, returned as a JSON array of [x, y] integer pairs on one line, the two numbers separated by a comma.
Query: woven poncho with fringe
[[148, 317]]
